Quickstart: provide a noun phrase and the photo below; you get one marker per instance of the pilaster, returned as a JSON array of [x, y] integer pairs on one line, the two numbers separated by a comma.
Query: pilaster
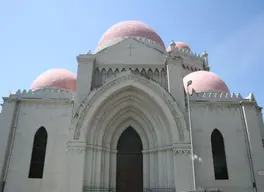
[[183, 173], [253, 122], [7, 123], [84, 77], [175, 81], [76, 164]]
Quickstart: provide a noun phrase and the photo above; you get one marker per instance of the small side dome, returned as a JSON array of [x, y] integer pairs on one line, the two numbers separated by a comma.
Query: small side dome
[[179, 44], [59, 78], [204, 81]]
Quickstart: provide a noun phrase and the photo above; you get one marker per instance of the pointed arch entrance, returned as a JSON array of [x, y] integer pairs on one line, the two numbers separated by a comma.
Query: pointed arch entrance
[[129, 170], [102, 121]]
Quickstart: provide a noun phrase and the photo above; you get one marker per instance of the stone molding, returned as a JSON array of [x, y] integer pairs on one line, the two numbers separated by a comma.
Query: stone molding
[[129, 76], [136, 68], [48, 93], [76, 147], [143, 40], [80, 147], [182, 149], [76, 150], [166, 148], [218, 96], [48, 104], [148, 42], [180, 152]]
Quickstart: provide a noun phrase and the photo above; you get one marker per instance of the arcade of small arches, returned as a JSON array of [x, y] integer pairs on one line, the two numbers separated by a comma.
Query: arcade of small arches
[[157, 74]]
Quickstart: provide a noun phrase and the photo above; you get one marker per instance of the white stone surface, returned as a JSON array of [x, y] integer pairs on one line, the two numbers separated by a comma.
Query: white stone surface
[[84, 128]]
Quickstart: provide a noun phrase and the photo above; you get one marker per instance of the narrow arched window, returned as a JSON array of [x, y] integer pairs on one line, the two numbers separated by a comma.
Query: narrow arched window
[[38, 154], [219, 156]]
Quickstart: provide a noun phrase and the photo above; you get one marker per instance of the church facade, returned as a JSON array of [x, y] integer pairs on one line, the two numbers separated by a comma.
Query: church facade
[[136, 117]]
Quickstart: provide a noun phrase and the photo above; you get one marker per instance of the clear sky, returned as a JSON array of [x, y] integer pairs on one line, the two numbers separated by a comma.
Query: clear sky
[[37, 35]]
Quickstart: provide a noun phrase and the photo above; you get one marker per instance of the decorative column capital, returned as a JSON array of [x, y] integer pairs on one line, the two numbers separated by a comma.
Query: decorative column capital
[[76, 147], [181, 152], [182, 149]]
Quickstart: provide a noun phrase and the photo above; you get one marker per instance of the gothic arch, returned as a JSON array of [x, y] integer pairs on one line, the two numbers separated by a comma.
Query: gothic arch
[[38, 154], [129, 97], [219, 155]]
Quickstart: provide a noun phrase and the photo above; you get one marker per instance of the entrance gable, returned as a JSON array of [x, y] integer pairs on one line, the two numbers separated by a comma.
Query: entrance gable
[[130, 51]]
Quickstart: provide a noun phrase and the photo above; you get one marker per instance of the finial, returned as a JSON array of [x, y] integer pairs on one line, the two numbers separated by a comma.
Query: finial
[[89, 52], [251, 97], [204, 54], [9, 92], [172, 44]]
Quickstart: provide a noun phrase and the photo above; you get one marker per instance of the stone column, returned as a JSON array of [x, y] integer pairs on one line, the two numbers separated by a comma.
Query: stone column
[[89, 165], [170, 167], [75, 165], [183, 174], [146, 173], [162, 165], [106, 168], [98, 166], [113, 162]]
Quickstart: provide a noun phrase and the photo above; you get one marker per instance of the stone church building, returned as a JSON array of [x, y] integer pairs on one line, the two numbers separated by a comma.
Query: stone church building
[[137, 117]]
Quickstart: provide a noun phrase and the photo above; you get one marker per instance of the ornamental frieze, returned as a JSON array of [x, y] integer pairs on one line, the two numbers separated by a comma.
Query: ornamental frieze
[[76, 150], [180, 152]]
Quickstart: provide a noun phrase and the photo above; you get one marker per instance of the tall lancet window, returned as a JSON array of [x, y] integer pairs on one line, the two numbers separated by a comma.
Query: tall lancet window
[[38, 154], [219, 156]]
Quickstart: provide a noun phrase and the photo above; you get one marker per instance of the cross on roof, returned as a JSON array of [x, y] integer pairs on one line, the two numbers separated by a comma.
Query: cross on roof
[[130, 47]]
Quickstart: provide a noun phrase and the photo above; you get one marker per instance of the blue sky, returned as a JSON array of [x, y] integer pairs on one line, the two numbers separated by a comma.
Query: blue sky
[[39, 35]]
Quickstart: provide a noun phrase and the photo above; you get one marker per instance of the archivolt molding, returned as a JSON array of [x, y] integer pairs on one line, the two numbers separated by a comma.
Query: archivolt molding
[[122, 77], [128, 108], [146, 139], [133, 109]]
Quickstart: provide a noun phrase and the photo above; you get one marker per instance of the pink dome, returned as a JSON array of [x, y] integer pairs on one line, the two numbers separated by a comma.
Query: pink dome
[[60, 78], [204, 81], [180, 44], [130, 29]]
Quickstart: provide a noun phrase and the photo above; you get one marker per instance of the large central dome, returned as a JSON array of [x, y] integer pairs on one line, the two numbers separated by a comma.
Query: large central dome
[[129, 29]]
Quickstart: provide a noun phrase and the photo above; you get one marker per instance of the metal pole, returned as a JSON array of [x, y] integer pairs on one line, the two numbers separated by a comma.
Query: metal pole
[[190, 129]]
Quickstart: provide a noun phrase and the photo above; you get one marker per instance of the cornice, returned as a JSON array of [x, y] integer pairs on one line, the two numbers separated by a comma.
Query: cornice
[[218, 97], [143, 40], [84, 58], [39, 100], [45, 94], [120, 67], [230, 102]]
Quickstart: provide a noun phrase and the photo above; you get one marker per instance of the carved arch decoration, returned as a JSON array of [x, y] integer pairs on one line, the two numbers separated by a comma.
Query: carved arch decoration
[[89, 111]]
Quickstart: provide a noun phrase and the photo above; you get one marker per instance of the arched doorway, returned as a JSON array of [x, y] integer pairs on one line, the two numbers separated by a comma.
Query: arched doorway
[[129, 173]]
